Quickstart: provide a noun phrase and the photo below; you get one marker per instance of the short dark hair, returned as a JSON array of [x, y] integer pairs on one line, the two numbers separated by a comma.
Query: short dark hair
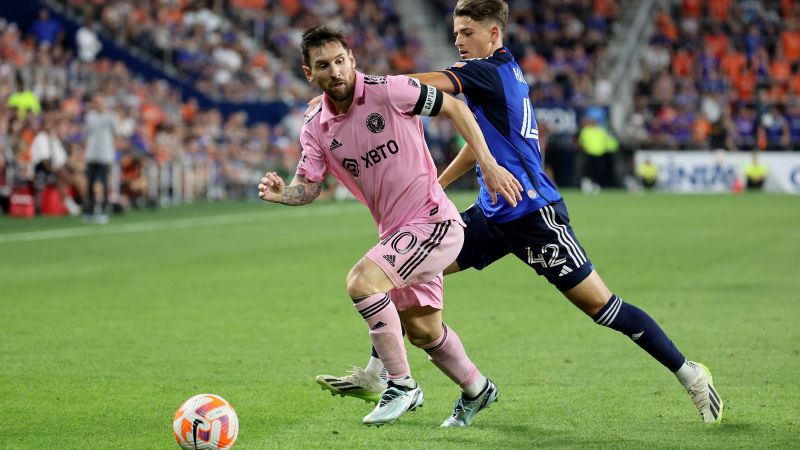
[[481, 10], [317, 37]]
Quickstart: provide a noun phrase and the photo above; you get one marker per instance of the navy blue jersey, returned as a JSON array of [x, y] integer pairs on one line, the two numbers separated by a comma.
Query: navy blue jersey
[[498, 95]]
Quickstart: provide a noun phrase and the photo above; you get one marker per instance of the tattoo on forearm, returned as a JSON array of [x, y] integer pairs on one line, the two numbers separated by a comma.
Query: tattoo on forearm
[[300, 194]]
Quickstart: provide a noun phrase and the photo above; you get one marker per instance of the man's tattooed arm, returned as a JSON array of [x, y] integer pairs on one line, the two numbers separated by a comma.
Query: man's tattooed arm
[[301, 191]]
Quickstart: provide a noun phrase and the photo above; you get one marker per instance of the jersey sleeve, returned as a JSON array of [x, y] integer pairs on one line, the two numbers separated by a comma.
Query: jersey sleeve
[[471, 76], [411, 97], [313, 165]]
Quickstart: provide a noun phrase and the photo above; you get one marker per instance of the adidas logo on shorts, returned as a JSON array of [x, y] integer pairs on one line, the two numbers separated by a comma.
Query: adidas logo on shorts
[[389, 258]]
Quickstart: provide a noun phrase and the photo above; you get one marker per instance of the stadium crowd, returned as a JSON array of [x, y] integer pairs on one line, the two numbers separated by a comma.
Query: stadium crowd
[[46, 92], [246, 50], [561, 47], [721, 74]]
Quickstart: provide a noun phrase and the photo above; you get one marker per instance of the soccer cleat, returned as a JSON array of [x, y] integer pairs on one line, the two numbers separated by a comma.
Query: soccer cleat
[[704, 395], [395, 401], [465, 409], [358, 384]]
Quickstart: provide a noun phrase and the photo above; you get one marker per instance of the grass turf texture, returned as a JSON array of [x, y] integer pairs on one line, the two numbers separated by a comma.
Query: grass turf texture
[[107, 330]]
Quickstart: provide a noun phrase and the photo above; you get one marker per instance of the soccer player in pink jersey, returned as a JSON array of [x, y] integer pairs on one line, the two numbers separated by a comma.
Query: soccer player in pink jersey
[[367, 133]]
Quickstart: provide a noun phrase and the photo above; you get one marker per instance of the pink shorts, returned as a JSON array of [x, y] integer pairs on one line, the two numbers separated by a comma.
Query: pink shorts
[[414, 257]]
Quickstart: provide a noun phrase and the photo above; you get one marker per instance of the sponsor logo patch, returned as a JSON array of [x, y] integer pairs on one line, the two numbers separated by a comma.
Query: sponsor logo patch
[[351, 165]]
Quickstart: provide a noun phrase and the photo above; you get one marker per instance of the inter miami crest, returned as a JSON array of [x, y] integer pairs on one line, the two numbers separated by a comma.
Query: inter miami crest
[[351, 165], [375, 122]]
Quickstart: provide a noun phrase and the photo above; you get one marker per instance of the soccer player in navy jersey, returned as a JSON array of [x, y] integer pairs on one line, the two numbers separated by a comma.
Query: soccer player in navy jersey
[[537, 230]]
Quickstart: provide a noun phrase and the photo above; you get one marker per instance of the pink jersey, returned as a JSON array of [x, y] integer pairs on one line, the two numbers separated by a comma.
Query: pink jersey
[[377, 150]]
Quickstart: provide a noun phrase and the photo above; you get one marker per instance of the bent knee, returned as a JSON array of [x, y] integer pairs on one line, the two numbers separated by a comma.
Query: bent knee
[[421, 335]]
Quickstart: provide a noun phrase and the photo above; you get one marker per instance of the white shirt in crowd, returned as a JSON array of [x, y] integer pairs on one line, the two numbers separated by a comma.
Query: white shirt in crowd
[[48, 147]]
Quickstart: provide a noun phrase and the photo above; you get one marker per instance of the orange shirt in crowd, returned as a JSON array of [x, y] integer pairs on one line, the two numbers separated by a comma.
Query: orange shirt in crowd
[[169, 16], [790, 40], [188, 111], [718, 43], [682, 63], [794, 84], [692, 8], [745, 84], [777, 93], [732, 63], [291, 7], [604, 8], [152, 116], [667, 27], [701, 129], [534, 63], [720, 9], [249, 4], [349, 7], [402, 62], [780, 70]]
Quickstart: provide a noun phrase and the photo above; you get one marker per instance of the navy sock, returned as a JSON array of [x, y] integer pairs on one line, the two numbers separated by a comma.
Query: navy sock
[[642, 329]]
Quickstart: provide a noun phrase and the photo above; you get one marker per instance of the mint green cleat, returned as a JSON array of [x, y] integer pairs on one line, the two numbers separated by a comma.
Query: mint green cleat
[[358, 384], [704, 395]]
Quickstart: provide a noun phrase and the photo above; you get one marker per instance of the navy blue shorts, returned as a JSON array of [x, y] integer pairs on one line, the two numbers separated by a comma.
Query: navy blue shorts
[[543, 240]]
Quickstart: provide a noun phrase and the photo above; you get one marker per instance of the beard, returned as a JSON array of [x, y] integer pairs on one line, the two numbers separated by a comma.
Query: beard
[[341, 95]]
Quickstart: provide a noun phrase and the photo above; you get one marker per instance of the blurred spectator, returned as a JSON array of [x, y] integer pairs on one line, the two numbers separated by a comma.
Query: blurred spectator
[[100, 153], [647, 173], [46, 28], [756, 173], [597, 143], [773, 130], [24, 100], [88, 43], [49, 160]]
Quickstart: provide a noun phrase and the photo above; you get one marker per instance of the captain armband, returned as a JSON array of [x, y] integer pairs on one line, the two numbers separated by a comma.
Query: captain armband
[[429, 102]]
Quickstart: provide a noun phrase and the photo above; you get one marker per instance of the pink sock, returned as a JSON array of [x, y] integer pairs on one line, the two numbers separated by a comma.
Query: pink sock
[[386, 332], [448, 354]]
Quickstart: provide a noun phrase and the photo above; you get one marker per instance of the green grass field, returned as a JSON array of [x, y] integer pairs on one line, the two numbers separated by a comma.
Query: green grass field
[[105, 331]]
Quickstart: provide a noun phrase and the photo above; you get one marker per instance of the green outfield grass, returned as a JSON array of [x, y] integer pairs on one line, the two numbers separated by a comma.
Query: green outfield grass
[[105, 331]]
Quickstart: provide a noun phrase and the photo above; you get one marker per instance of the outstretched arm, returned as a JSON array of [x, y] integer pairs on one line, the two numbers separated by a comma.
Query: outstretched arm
[[461, 164], [497, 179], [302, 191], [435, 79]]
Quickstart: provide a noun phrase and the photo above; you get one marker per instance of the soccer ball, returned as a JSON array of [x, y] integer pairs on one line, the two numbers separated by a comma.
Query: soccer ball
[[205, 422]]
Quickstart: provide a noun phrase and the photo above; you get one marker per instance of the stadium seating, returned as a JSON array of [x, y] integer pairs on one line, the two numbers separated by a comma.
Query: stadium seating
[[721, 75]]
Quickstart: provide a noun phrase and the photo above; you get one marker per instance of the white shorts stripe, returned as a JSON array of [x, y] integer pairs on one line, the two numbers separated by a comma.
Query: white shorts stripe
[[548, 215], [567, 237]]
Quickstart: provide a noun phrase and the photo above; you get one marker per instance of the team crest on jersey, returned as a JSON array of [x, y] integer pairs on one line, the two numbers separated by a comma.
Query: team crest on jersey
[[374, 79], [351, 165], [375, 123], [413, 82]]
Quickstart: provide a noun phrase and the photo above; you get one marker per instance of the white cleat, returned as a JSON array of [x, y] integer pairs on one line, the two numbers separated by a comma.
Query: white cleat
[[358, 384], [704, 395], [395, 401], [465, 409]]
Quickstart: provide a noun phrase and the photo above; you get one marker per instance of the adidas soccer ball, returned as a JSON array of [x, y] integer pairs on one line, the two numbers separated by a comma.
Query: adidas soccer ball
[[205, 422]]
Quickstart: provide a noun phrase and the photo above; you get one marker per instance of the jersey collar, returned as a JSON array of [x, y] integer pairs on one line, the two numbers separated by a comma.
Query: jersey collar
[[328, 113]]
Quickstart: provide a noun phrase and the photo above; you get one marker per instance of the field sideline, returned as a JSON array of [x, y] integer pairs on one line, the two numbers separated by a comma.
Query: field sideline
[[107, 330]]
